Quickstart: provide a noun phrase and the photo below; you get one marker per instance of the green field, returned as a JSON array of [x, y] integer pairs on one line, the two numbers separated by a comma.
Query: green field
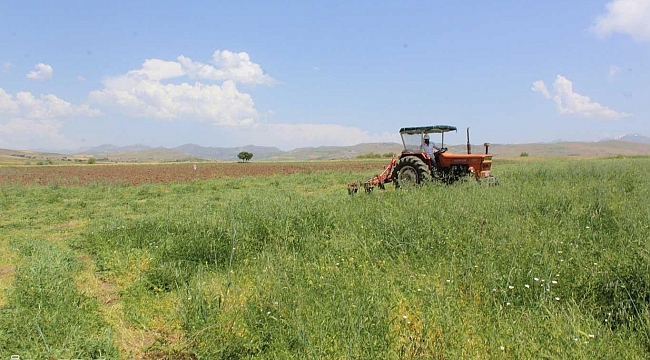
[[552, 263]]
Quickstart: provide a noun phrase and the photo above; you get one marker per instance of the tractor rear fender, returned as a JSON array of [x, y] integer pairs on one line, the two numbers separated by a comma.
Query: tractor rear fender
[[421, 155]]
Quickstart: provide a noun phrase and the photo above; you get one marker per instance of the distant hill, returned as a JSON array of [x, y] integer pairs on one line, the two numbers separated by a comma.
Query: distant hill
[[601, 148], [635, 138], [192, 152], [150, 155], [112, 149], [338, 152], [29, 157]]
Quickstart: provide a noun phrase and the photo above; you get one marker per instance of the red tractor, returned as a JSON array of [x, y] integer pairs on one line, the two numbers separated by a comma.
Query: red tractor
[[414, 166]]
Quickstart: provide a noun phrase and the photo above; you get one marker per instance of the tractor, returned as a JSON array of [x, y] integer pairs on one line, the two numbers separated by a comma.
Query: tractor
[[414, 166]]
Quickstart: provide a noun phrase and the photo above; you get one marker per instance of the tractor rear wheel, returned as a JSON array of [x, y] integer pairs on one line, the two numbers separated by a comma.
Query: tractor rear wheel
[[410, 171]]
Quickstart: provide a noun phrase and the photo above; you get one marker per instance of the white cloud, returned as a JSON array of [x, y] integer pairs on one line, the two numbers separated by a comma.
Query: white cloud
[[237, 67], [33, 134], [41, 72], [46, 107], [571, 103], [631, 17], [613, 70], [141, 98], [5, 67], [161, 89], [28, 122], [81, 78], [540, 87], [142, 93], [156, 70]]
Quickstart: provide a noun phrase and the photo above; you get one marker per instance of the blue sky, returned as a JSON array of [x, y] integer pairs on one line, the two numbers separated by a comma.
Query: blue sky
[[294, 73]]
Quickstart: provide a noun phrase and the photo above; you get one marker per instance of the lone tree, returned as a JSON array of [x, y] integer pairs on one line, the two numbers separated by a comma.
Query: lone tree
[[245, 156]]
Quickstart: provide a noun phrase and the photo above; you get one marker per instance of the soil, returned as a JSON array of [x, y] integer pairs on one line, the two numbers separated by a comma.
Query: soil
[[137, 174], [7, 270]]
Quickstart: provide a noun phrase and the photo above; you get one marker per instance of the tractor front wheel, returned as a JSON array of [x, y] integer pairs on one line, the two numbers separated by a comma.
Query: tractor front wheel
[[410, 171]]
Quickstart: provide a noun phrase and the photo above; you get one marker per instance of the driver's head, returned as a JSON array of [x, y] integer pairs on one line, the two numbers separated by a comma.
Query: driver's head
[[426, 138]]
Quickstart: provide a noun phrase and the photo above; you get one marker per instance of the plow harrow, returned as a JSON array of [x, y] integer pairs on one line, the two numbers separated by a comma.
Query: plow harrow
[[379, 180]]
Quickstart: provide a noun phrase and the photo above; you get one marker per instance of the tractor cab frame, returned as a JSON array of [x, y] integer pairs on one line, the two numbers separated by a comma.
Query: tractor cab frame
[[413, 137]]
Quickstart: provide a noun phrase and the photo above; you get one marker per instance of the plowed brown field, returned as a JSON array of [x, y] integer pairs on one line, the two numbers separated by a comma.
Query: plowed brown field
[[136, 174]]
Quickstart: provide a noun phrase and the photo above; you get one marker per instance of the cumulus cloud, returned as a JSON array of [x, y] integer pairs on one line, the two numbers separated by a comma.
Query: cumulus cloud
[[81, 78], [571, 103], [540, 87], [46, 107], [237, 67], [147, 93], [41, 72], [157, 70], [631, 17], [189, 90], [30, 121], [143, 98], [32, 134]]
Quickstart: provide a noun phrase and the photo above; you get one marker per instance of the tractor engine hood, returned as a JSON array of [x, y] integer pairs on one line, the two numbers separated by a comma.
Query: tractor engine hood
[[464, 158]]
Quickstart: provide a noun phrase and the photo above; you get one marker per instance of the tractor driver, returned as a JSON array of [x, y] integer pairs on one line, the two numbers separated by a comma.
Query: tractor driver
[[429, 147]]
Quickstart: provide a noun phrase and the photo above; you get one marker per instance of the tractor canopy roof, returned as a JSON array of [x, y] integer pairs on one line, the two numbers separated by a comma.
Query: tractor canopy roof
[[427, 129]]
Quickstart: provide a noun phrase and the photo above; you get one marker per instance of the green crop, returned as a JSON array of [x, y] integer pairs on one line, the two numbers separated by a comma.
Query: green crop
[[552, 263]]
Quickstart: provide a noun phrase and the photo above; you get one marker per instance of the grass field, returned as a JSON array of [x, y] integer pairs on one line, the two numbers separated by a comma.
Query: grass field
[[553, 263]]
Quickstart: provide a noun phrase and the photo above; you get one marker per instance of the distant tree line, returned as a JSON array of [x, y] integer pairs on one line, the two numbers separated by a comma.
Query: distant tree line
[[375, 155]]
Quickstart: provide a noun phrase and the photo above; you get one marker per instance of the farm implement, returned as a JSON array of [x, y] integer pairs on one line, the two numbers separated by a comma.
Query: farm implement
[[415, 166]]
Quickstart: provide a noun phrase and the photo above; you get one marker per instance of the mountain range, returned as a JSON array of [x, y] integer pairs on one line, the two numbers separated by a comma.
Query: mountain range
[[635, 138], [632, 144], [620, 145], [193, 151]]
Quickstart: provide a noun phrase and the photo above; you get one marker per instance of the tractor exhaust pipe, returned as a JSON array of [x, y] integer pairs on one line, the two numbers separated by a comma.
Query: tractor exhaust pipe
[[469, 146]]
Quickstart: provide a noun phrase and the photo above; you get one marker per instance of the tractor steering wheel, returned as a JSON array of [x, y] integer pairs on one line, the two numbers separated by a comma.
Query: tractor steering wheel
[[443, 150]]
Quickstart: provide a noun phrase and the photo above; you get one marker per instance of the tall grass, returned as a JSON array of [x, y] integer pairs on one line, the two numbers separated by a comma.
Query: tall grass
[[46, 316], [554, 263]]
